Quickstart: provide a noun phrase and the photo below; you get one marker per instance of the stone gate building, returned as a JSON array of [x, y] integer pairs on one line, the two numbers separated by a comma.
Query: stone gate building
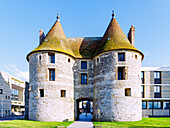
[[105, 70]]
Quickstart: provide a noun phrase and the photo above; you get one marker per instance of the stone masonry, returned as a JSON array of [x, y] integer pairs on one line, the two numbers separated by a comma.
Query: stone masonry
[[114, 98]]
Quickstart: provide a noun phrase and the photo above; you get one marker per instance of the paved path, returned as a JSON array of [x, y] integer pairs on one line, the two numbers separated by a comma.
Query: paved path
[[11, 118], [83, 122]]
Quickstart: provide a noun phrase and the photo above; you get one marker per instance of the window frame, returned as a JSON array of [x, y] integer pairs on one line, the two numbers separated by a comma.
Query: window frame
[[61, 93], [128, 92], [168, 105], [142, 91], [121, 73], [51, 57], [153, 105], [157, 91], [145, 106], [157, 77], [82, 81], [83, 64], [51, 75], [41, 92], [120, 57]]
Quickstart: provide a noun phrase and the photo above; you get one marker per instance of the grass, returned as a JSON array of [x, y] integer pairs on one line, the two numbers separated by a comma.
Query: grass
[[145, 122], [32, 124]]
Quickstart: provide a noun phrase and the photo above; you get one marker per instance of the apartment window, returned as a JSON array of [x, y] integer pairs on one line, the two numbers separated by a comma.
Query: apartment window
[[16, 94], [121, 56], [121, 73], [142, 91], [157, 91], [157, 77], [41, 92], [150, 104], [1, 91], [155, 104], [12, 94], [63, 93], [167, 105], [144, 105], [51, 74], [142, 77], [84, 78], [8, 97], [127, 91], [83, 64], [51, 57]]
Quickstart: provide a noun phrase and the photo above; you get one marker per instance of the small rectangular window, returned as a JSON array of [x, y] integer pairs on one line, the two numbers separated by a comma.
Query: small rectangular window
[[51, 74], [142, 77], [144, 104], [155, 104], [127, 91], [41, 92], [150, 104], [142, 91], [69, 60], [167, 105], [1, 91], [157, 77], [121, 56], [121, 73], [83, 78], [83, 64], [39, 57], [157, 91], [51, 57], [63, 93]]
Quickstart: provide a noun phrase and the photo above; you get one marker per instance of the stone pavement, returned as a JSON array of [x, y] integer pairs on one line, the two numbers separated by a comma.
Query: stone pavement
[[83, 122]]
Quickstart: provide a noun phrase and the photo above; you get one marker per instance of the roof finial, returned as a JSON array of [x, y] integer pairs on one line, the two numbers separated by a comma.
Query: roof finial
[[113, 14], [58, 18]]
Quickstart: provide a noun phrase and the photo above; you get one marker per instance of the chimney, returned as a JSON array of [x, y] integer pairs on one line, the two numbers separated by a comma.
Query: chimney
[[131, 35], [41, 36]]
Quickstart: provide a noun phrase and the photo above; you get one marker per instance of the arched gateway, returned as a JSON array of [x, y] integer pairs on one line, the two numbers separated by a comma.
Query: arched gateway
[[65, 71]]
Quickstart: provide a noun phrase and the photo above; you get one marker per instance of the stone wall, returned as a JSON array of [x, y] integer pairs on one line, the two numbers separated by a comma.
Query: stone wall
[[82, 91], [110, 102], [51, 107]]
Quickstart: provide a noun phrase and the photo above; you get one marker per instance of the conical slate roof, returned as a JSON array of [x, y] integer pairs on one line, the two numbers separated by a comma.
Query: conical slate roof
[[114, 39], [55, 40]]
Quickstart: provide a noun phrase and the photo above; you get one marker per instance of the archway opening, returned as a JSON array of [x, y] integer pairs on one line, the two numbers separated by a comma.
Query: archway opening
[[85, 109]]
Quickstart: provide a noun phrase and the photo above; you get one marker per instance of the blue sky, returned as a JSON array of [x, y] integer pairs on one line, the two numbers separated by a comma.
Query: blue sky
[[20, 22]]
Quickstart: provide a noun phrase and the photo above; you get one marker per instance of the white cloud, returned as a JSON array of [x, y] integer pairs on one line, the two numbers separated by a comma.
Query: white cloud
[[14, 71]]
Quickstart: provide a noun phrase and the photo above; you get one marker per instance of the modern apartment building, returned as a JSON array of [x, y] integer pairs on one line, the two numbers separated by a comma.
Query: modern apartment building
[[11, 95], [155, 91]]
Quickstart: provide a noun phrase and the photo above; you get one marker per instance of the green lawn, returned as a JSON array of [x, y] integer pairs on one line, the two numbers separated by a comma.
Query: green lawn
[[145, 122], [32, 124]]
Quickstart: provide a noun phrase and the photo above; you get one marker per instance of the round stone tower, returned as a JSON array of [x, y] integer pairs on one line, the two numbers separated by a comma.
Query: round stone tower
[[51, 78], [117, 85]]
